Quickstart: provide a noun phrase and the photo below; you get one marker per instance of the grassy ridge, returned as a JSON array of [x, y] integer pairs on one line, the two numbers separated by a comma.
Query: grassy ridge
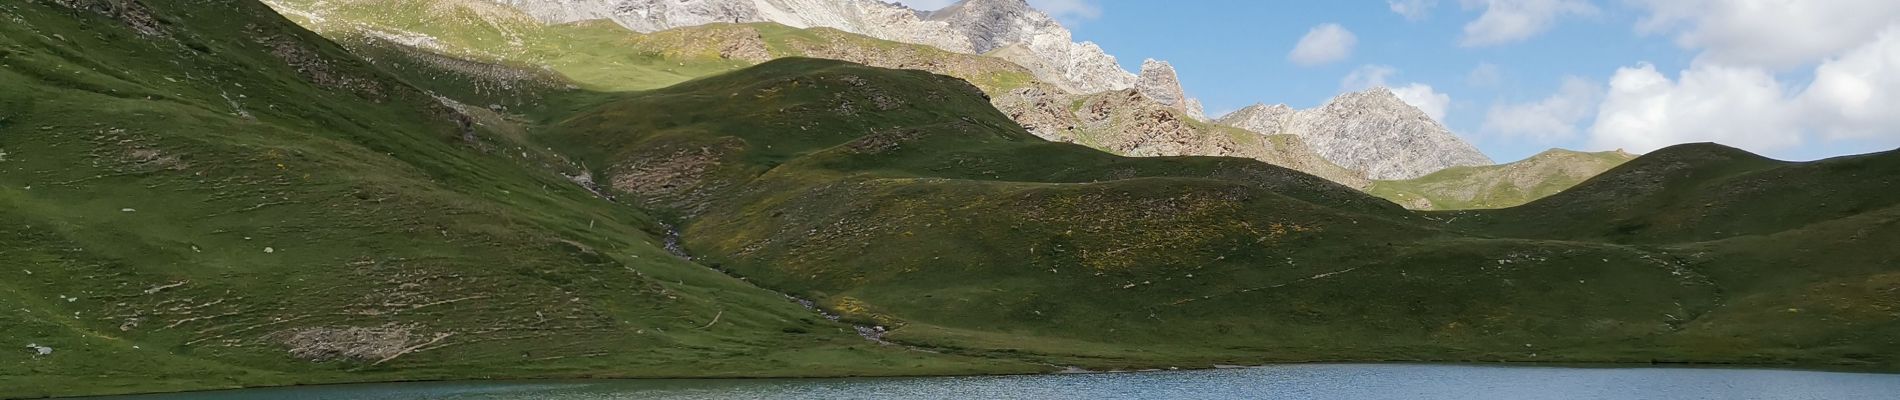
[[1499, 186], [204, 195], [1702, 191], [962, 233]]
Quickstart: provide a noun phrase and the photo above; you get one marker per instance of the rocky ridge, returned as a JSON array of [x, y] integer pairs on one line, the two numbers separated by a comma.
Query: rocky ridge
[[1132, 123], [1371, 131], [1010, 28]]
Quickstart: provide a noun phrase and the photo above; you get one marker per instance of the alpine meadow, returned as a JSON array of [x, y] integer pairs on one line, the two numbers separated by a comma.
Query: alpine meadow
[[218, 194]]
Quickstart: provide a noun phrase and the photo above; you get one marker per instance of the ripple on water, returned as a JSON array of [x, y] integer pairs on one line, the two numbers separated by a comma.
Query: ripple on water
[[1306, 381]]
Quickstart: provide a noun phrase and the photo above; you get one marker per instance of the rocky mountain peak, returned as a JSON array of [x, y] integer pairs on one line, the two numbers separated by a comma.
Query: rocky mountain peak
[[1159, 82], [990, 24], [1373, 97], [1013, 30], [1376, 132], [1370, 130]]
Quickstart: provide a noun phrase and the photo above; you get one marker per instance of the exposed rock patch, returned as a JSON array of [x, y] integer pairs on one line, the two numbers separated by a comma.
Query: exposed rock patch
[[883, 141], [133, 13], [354, 343], [677, 177], [315, 68]]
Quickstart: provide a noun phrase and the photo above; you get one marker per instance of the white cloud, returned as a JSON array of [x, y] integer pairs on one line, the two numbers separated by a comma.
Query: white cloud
[[1485, 75], [1737, 106], [1853, 96], [1419, 95], [1777, 34], [1551, 119], [1511, 21], [1433, 103], [1857, 95], [1324, 44], [1412, 9]]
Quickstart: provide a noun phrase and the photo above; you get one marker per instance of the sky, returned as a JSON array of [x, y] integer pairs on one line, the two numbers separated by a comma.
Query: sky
[[1790, 79]]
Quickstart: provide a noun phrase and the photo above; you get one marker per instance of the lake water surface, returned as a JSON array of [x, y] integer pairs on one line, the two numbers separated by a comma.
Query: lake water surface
[[1315, 381]]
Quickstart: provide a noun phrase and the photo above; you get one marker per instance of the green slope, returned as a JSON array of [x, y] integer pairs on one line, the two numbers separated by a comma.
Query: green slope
[[1499, 186], [960, 232], [228, 200], [1703, 191], [201, 194]]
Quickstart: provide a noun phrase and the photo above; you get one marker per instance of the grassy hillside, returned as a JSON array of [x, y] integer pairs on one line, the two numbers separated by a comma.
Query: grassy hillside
[[1499, 186], [960, 232], [200, 195], [1704, 191]]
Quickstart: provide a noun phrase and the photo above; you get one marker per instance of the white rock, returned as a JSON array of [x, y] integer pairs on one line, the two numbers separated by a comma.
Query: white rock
[[1370, 131], [1159, 82], [269, 250]]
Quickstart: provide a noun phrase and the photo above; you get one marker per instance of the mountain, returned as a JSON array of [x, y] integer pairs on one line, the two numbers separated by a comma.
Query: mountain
[[1371, 131], [1009, 28], [1499, 186]]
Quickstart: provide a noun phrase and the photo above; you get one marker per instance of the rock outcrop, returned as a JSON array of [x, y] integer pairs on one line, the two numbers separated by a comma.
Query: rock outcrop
[[1159, 82], [1131, 123], [1010, 29], [1261, 118], [1371, 131]]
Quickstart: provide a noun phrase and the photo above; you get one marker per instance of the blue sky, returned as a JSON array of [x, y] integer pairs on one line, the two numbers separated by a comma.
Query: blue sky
[[1580, 74]]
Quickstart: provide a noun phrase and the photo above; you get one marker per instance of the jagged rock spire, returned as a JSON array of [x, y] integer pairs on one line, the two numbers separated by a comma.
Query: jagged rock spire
[[1159, 82]]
